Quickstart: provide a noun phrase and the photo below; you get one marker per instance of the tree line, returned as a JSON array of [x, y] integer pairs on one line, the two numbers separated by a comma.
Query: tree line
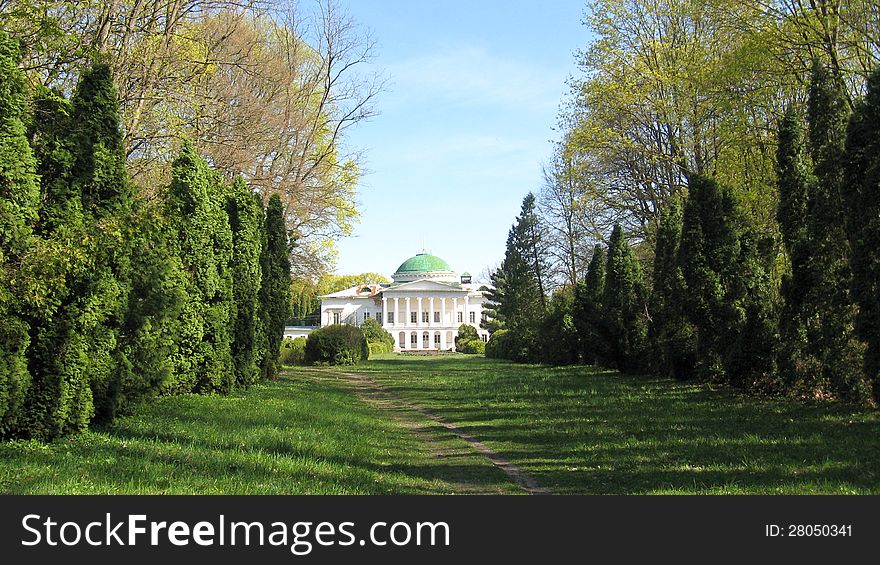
[[110, 296], [702, 219]]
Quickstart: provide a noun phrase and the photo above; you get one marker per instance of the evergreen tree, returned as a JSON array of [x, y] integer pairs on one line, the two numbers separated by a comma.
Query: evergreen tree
[[275, 290], [708, 255], [493, 319], [559, 335], [77, 360], [829, 308], [794, 180], [588, 311], [19, 196], [521, 306], [862, 194], [204, 244], [246, 219], [623, 306], [673, 337]]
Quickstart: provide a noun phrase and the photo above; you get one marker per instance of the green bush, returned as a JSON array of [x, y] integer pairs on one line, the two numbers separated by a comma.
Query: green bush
[[376, 334], [337, 345], [498, 346], [376, 348], [472, 346], [466, 332], [293, 351]]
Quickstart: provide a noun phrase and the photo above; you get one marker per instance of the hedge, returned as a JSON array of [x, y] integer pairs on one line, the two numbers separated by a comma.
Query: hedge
[[293, 351]]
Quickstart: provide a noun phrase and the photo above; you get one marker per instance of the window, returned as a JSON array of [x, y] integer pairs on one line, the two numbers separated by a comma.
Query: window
[[484, 317], [424, 317], [460, 317], [436, 317], [425, 340], [336, 317], [390, 317], [414, 340], [436, 340], [413, 317], [473, 317], [366, 316], [484, 337], [402, 340]]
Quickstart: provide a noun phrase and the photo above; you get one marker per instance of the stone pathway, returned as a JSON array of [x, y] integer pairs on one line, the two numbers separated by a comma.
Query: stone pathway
[[384, 398]]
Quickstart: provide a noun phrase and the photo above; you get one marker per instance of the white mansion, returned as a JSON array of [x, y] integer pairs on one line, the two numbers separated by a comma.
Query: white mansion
[[422, 308]]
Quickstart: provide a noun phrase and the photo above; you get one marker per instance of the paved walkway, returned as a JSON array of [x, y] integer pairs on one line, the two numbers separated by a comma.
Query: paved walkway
[[367, 386]]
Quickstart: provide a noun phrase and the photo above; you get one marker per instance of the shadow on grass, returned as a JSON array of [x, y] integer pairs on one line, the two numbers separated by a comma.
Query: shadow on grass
[[582, 430]]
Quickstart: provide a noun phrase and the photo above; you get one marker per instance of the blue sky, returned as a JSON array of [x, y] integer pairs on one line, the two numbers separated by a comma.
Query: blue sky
[[465, 124]]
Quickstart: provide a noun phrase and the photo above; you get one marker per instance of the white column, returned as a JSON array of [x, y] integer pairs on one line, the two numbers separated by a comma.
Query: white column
[[443, 317], [466, 316], [443, 340], [419, 317], [431, 313], [406, 317], [455, 311], [396, 311], [384, 312]]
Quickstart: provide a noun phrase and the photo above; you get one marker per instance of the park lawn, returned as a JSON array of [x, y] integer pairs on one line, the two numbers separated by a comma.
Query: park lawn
[[306, 433], [585, 430]]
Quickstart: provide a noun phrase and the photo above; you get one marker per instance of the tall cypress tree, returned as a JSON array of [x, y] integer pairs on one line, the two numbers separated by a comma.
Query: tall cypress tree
[[275, 289], [77, 362], [246, 219], [672, 336], [862, 194], [708, 255], [99, 177], [588, 311], [623, 305], [19, 195], [794, 180], [829, 306], [204, 244]]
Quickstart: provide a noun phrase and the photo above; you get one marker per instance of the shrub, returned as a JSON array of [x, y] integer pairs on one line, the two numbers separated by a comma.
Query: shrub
[[375, 334], [293, 351], [466, 332], [377, 348], [337, 345], [498, 346], [472, 346]]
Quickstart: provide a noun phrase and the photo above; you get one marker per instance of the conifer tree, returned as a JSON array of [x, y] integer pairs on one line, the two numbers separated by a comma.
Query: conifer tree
[[77, 361], [275, 289], [19, 195], [794, 180], [588, 311], [623, 305], [494, 320], [521, 305], [862, 194], [708, 255], [673, 337], [829, 306], [246, 219], [204, 244]]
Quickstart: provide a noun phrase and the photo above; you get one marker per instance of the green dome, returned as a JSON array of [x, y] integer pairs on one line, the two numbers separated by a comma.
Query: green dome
[[422, 263]]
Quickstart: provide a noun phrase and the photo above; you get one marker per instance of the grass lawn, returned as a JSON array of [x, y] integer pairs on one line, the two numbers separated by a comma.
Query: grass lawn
[[308, 434], [584, 430], [574, 429]]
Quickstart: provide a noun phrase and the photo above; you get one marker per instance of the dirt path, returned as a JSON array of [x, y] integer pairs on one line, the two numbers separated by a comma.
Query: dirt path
[[374, 393]]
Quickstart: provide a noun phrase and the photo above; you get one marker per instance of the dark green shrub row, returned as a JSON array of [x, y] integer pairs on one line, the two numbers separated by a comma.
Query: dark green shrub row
[[109, 298]]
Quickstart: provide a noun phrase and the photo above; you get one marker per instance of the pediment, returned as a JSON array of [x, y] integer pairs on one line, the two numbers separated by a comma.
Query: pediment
[[424, 285]]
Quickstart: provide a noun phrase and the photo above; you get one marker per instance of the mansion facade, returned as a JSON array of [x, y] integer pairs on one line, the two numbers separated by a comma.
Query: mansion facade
[[422, 308]]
